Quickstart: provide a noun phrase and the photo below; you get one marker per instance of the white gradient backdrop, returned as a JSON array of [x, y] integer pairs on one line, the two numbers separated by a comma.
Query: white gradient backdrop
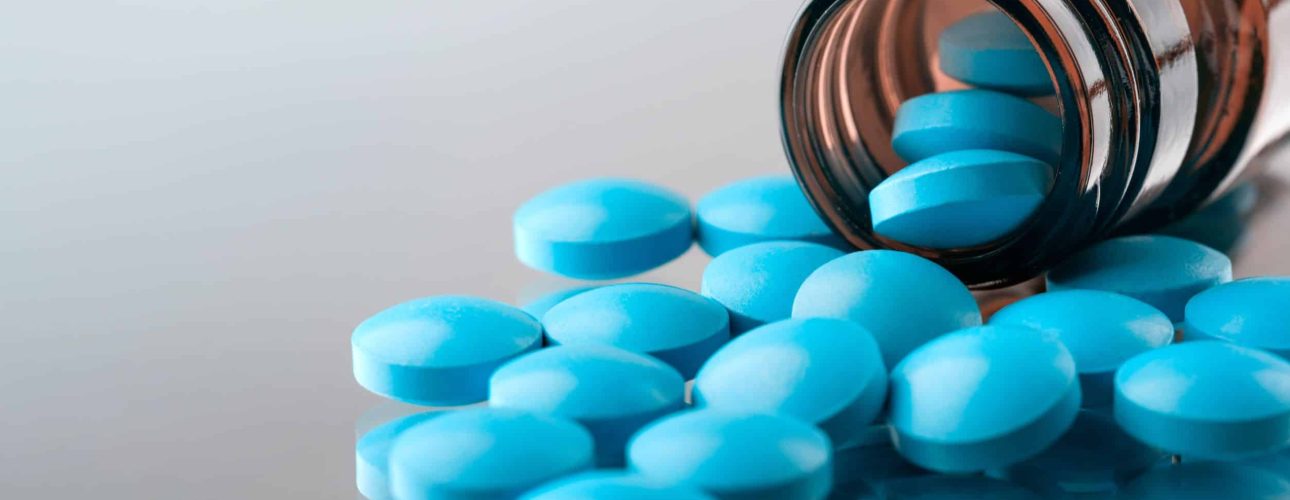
[[199, 201]]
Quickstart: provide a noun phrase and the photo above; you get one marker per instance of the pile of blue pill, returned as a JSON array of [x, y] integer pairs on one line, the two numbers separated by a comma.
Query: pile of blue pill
[[802, 369]]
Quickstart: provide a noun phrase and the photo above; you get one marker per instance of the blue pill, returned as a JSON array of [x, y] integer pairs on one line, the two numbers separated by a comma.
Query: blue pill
[[1101, 329], [902, 299], [931, 124], [1162, 271], [732, 455], [440, 350], [485, 453], [611, 392], [1206, 399], [539, 306], [759, 209], [1207, 481], [990, 51], [939, 487], [680, 327], [757, 282], [824, 371], [602, 229], [372, 455], [960, 198], [1250, 312], [1094, 457], [615, 485], [983, 398]]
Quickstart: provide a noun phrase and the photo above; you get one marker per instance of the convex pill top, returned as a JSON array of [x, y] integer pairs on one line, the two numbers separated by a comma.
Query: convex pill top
[[1206, 399], [902, 299], [1251, 312], [759, 209], [1101, 329], [610, 391], [758, 282], [983, 398], [988, 50], [959, 120], [1160, 270], [372, 454], [824, 371], [678, 326], [440, 350], [602, 229]]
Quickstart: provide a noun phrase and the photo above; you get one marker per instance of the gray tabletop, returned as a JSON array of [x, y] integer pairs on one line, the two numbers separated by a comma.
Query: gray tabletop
[[201, 199]]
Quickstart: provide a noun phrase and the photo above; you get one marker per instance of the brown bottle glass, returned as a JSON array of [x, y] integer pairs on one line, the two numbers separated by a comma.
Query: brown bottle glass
[[1165, 105]]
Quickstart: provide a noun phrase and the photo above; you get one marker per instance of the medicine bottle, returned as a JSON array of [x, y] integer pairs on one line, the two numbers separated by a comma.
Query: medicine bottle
[[1165, 105]]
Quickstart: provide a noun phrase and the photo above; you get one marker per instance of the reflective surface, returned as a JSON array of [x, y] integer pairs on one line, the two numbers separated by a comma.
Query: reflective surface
[[198, 204]]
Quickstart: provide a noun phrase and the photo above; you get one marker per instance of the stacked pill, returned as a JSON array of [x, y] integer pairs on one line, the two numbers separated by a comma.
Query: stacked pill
[[817, 373], [981, 159]]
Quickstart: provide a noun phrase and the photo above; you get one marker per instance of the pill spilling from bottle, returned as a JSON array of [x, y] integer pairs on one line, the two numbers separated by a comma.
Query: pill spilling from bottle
[[803, 369]]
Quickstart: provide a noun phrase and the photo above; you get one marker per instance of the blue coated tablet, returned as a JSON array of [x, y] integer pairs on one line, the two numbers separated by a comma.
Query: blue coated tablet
[[1094, 457], [932, 124], [615, 485], [440, 351], [733, 455], [983, 398], [602, 229], [759, 209], [539, 306], [960, 198], [1160, 270], [485, 453], [372, 455], [940, 487], [824, 371], [610, 391], [680, 327], [1206, 399], [1101, 329], [1207, 481], [1251, 312], [757, 282], [902, 299], [990, 51]]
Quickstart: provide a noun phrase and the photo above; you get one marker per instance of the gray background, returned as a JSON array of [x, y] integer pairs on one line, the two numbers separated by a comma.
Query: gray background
[[200, 200]]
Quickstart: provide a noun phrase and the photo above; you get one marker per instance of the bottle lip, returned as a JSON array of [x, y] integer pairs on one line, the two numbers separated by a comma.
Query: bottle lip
[[1108, 87]]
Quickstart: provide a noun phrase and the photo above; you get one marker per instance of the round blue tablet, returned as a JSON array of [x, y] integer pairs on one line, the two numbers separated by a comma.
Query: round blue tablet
[[440, 351], [983, 398], [1101, 329], [1206, 399], [932, 124], [759, 209], [611, 392], [960, 198], [1160, 270], [1206, 481], [485, 453], [939, 487], [372, 455], [602, 229], [731, 455], [1094, 457], [1251, 312], [824, 371], [680, 327], [989, 50], [757, 282], [902, 299], [539, 306], [616, 485]]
